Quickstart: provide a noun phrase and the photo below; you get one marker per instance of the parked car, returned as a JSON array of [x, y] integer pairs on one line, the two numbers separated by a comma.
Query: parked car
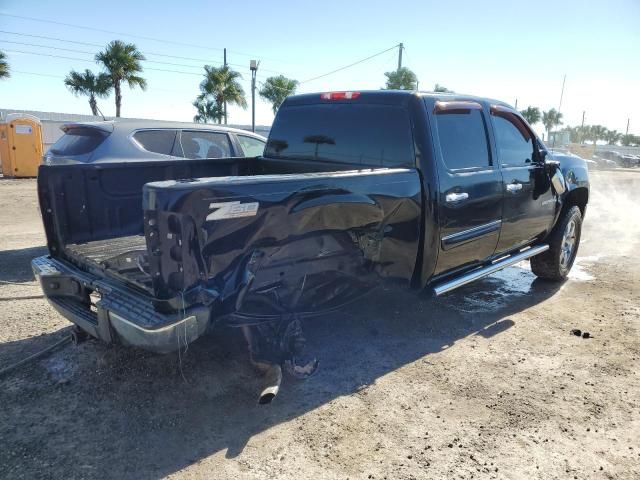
[[428, 190], [136, 140], [566, 155], [628, 161], [605, 163]]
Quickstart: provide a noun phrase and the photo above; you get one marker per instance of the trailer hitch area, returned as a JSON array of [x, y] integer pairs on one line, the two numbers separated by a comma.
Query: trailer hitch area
[[273, 345]]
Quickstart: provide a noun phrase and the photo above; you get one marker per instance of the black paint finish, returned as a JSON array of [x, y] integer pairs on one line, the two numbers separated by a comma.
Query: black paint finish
[[322, 233]]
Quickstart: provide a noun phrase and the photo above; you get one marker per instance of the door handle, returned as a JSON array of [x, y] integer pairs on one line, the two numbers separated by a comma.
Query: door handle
[[454, 197], [514, 187]]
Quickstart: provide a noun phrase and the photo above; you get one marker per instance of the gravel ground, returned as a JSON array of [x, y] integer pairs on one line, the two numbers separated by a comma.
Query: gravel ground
[[485, 382]]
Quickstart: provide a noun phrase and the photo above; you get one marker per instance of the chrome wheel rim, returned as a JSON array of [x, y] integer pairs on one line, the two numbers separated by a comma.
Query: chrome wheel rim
[[568, 244]]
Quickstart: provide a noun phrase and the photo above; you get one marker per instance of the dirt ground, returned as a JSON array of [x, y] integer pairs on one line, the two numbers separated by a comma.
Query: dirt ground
[[485, 382]]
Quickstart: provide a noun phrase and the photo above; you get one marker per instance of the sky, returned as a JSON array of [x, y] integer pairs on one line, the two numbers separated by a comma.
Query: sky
[[506, 50]]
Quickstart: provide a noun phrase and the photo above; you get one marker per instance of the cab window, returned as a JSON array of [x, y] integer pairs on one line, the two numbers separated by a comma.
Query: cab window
[[463, 139], [514, 141]]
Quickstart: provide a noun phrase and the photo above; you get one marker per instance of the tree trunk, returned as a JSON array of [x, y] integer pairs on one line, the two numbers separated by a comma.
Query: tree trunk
[[94, 105], [116, 88]]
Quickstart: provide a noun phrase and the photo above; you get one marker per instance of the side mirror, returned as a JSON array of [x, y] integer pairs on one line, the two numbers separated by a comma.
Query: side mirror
[[541, 156]]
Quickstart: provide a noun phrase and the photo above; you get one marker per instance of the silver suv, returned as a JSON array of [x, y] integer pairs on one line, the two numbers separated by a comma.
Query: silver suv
[[136, 140]]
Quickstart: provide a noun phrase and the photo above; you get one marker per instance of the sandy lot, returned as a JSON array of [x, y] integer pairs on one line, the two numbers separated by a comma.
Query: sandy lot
[[485, 382]]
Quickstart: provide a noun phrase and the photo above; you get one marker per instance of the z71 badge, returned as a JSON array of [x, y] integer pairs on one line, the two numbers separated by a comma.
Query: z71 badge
[[225, 210]]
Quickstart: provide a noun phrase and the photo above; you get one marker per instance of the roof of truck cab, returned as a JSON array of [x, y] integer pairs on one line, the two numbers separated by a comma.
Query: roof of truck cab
[[392, 97]]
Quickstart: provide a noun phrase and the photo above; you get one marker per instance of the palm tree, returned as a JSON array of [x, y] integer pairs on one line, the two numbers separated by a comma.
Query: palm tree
[[122, 63], [401, 79], [4, 66], [207, 110], [441, 89], [89, 84], [222, 87], [531, 115], [629, 139], [551, 119], [597, 132], [612, 137], [276, 89]]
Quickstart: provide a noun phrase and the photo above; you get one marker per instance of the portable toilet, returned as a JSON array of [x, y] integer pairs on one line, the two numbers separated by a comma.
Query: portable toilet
[[20, 145]]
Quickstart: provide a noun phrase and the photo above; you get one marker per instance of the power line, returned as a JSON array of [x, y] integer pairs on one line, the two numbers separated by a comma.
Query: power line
[[205, 61], [348, 66], [111, 32], [92, 61]]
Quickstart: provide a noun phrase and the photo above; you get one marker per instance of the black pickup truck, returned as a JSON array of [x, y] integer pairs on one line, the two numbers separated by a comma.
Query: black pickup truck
[[429, 190]]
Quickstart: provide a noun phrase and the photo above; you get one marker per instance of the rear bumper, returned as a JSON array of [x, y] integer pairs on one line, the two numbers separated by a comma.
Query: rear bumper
[[115, 313]]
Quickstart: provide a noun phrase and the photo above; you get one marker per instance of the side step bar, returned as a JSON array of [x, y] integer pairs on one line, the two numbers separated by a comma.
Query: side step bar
[[489, 269]]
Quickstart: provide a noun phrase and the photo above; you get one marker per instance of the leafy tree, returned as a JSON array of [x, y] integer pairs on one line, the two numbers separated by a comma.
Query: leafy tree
[[401, 79], [221, 86], [441, 89], [276, 89], [122, 63], [531, 115], [551, 119], [90, 84], [629, 140], [597, 132], [4, 66], [612, 137], [207, 110]]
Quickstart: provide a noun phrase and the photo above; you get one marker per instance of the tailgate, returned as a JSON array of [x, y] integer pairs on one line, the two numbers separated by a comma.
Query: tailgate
[[265, 245]]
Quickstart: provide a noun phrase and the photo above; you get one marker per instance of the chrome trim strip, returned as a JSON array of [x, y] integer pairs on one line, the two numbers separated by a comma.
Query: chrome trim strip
[[470, 234], [489, 269]]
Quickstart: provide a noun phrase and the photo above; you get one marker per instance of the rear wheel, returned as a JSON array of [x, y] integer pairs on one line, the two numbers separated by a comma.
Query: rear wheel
[[555, 263]]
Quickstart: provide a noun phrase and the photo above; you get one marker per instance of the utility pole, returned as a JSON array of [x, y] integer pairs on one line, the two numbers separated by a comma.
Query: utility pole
[[583, 113], [225, 101], [516, 106], [564, 79], [253, 66], [627, 132], [582, 127], [400, 47]]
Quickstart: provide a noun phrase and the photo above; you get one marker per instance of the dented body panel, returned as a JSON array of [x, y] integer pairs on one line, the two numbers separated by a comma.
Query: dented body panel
[[263, 245]]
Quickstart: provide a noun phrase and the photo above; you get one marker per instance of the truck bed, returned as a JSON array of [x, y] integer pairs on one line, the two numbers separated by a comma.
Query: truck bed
[[100, 251], [124, 257]]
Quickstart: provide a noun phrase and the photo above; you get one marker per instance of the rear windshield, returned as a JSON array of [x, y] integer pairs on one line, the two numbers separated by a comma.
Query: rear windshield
[[359, 134], [78, 141]]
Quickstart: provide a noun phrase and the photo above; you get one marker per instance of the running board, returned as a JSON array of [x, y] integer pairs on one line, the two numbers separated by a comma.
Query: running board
[[489, 269]]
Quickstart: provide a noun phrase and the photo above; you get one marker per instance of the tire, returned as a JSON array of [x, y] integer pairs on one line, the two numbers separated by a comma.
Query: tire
[[564, 240]]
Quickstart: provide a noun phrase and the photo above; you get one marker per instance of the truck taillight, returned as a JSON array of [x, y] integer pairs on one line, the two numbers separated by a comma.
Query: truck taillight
[[339, 95]]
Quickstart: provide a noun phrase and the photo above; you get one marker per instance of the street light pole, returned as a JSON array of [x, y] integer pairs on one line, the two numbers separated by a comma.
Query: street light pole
[[253, 66]]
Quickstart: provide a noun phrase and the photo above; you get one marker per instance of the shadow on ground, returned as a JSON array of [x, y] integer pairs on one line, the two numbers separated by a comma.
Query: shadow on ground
[[95, 411], [15, 265]]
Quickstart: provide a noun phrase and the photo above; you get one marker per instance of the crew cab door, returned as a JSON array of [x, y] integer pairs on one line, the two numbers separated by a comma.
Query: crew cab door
[[529, 200], [470, 193]]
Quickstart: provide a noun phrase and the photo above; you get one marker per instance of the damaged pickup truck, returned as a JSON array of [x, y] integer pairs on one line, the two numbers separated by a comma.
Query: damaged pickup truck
[[429, 190]]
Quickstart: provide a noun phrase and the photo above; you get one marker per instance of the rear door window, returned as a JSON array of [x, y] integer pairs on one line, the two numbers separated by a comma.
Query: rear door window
[[202, 144], [252, 147], [355, 134], [156, 141], [463, 139], [79, 141]]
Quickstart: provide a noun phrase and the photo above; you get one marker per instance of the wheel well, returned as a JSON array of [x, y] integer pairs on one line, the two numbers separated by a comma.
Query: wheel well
[[578, 197]]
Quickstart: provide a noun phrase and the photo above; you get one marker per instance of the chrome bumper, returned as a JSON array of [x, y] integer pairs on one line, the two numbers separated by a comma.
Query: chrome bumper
[[119, 314]]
